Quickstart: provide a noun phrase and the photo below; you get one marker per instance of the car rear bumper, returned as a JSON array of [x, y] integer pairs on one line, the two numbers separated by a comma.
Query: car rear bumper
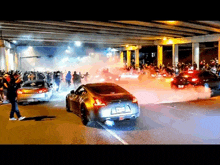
[[105, 113], [32, 97]]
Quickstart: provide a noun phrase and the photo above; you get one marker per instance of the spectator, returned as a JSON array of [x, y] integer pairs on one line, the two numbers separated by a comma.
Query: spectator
[[75, 79], [1, 88], [31, 76], [68, 78], [57, 80], [194, 65], [86, 77], [12, 86]]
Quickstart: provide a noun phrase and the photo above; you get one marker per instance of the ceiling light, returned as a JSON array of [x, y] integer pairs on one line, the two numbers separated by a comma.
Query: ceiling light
[[78, 43]]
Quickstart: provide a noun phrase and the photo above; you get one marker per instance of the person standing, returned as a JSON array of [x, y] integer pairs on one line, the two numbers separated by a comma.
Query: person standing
[[12, 86], [68, 78], [57, 80], [86, 77], [194, 65], [75, 79], [1, 88]]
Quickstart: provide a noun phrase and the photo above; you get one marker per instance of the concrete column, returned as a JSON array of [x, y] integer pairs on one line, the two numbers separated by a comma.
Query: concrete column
[[218, 52], [137, 58], [128, 58], [159, 55], [2, 55], [122, 58], [7, 59], [175, 54], [195, 53]]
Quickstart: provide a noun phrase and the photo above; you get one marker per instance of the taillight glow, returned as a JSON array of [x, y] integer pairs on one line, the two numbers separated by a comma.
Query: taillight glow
[[99, 102], [172, 79], [19, 91], [194, 79], [42, 90], [134, 100]]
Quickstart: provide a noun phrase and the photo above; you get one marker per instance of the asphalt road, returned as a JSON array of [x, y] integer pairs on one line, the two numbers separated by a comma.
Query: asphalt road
[[188, 122]]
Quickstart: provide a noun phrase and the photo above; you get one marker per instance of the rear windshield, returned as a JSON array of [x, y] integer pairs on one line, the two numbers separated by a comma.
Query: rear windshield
[[34, 84], [188, 75], [106, 89]]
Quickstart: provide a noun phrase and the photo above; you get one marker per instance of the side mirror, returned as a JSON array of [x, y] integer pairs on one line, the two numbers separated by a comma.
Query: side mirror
[[72, 92]]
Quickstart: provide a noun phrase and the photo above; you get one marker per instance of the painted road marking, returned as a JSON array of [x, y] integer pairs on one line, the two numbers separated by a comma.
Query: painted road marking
[[113, 134]]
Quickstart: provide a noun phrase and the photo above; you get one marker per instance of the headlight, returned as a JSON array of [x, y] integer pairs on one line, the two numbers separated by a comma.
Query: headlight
[[116, 79]]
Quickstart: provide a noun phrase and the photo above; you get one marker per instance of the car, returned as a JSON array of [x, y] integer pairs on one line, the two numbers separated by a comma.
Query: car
[[196, 78], [35, 90], [105, 77], [102, 102]]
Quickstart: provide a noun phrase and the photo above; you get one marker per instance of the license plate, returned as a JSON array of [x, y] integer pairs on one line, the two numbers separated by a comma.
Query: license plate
[[180, 86], [120, 109], [31, 100]]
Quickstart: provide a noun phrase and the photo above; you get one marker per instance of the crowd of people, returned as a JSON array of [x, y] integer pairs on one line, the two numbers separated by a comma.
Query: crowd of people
[[56, 77], [213, 66]]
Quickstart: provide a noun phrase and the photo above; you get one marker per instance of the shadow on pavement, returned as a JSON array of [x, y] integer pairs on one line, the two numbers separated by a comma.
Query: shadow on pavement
[[39, 118]]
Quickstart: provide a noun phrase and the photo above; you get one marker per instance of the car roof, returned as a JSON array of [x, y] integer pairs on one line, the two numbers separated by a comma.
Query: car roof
[[100, 84], [32, 81]]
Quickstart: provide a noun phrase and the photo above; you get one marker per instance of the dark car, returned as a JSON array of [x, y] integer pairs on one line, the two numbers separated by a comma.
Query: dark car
[[196, 78], [101, 102]]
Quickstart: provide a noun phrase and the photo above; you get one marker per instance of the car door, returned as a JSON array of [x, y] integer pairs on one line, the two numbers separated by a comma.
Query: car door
[[79, 94], [74, 100]]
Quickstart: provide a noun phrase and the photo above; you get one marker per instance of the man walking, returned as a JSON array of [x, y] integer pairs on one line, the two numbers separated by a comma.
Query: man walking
[[12, 86]]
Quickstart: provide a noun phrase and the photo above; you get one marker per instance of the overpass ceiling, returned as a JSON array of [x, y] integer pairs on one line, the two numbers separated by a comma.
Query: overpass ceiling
[[115, 33]]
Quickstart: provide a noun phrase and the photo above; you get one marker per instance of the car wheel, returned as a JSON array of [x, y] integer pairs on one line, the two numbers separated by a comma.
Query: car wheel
[[67, 106], [84, 116]]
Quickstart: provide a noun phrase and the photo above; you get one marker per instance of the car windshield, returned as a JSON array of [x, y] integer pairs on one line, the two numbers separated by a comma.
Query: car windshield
[[106, 89], [188, 75], [37, 84]]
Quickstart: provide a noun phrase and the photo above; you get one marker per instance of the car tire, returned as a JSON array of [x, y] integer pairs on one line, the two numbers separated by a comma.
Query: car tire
[[67, 106], [84, 116]]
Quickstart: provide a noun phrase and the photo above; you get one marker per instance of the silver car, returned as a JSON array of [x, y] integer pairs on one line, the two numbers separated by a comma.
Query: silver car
[[102, 101], [33, 91]]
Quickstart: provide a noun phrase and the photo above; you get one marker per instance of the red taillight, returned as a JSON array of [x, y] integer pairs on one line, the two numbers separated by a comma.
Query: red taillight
[[42, 90], [19, 91], [194, 79], [99, 102], [134, 100]]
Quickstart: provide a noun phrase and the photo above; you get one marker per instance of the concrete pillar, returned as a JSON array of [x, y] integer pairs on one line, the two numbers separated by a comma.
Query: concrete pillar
[[218, 52], [159, 55], [137, 58], [122, 58], [128, 58], [175, 54], [2, 55], [195, 53]]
